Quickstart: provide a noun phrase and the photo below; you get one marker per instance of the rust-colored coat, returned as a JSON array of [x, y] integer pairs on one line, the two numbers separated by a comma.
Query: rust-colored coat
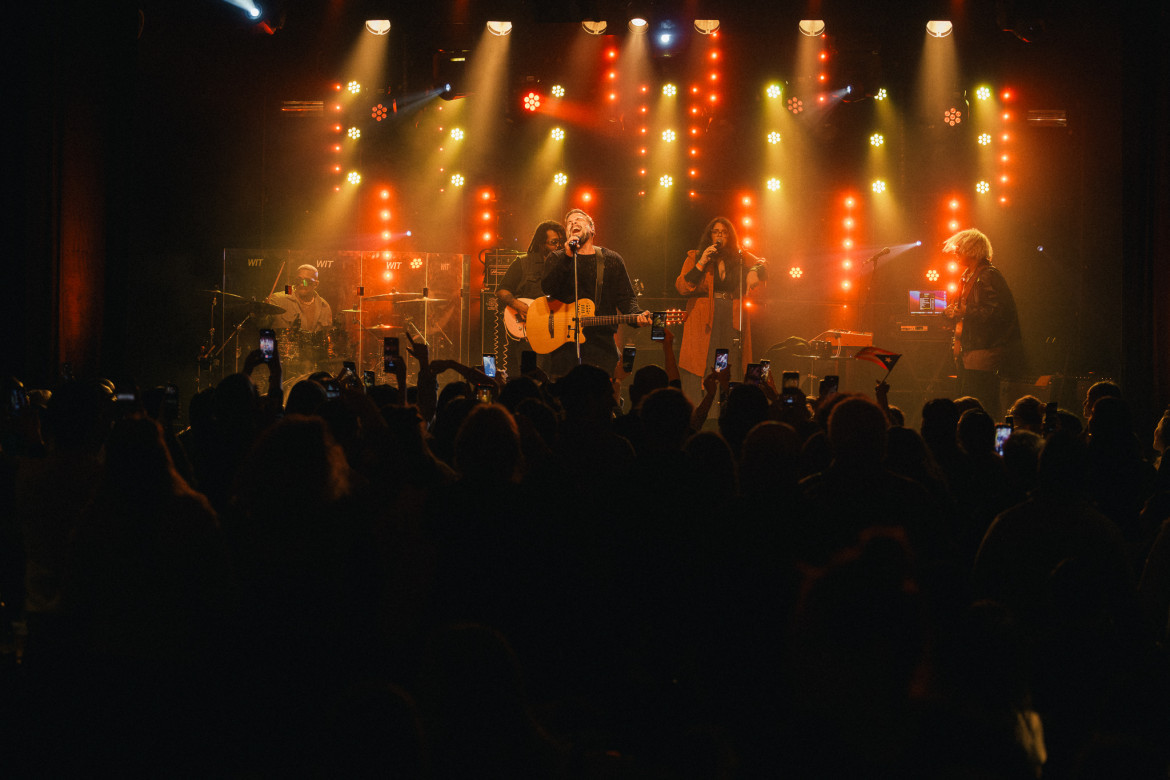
[[696, 340]]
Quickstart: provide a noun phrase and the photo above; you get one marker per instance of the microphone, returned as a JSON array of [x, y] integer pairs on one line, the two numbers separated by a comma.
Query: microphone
[[574, 243], [882, 253], [718, 244]]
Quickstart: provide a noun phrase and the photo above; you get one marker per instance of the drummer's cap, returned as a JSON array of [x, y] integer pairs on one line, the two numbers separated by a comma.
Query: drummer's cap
[[312, 269]]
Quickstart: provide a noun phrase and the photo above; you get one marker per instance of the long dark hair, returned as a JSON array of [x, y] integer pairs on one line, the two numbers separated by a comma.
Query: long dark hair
[[536, 245], [730, 249]]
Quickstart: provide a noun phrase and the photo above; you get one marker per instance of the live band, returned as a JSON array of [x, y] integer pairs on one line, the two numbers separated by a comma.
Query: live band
[[566, 296]]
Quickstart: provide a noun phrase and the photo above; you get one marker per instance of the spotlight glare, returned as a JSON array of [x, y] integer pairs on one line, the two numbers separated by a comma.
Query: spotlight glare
[[773, 185], [932, 275], [638, 26], [557, 134], [594, 28], [557, 91], [706, 26], [812, 27], [354, 133], [876, 139], [669, 90], [499, 28], [666, 181], [939, 28], [457, 180], [773, 138], [984, 139], [795, 105], [668, 135], [881, 94], [378, 26], [773, 91], [378, 113], [560, 179], [878, 186], [457, 133], [354, 177], [983, 93], [532, 101], [953, 116], [795, 272], [353, 87], [983, 188]]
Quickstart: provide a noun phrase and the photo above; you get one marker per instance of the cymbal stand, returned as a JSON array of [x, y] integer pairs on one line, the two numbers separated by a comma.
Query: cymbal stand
[[205, 359]]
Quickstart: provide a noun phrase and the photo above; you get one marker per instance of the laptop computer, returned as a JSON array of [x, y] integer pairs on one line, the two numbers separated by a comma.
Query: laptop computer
[[927, 301]]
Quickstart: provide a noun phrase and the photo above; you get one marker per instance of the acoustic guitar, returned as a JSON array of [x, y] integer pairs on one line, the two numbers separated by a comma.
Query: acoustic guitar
[[551, 323]]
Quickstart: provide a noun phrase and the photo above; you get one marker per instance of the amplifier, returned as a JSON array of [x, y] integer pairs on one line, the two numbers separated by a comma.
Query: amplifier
[[922, 331], [495, 265]]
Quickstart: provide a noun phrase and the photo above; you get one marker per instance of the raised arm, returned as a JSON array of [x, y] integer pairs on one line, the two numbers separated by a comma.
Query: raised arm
[[669, 361]]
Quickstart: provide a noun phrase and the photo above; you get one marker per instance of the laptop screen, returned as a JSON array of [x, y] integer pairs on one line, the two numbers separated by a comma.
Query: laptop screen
[[928, 301]]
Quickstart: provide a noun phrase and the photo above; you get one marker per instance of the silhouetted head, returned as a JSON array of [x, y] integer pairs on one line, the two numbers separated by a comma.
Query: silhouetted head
[[857, 432], [487, 447], [976, 432], [646, 380]]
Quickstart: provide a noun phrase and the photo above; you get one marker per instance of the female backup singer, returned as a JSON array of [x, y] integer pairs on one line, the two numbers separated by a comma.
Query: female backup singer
[[715, 277]]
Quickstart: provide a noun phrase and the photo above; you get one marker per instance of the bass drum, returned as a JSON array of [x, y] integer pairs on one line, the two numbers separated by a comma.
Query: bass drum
[[325, 349], [288, 345]]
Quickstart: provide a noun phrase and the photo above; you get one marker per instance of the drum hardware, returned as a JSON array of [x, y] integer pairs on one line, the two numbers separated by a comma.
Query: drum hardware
[[390, 296], [255, 308], [221, 292]]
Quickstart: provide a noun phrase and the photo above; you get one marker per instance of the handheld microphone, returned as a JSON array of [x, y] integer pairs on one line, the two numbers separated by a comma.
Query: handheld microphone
[[574, 243], [718, 244]]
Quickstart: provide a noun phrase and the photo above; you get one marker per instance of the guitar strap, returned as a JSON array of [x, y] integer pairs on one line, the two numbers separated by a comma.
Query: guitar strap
[[600, 263]]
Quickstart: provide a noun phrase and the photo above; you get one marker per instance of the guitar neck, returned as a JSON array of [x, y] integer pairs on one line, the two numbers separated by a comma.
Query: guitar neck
[[610, 319]]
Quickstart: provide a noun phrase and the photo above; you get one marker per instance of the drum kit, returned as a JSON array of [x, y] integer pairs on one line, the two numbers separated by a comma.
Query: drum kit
[[373, 324], [303, 352]]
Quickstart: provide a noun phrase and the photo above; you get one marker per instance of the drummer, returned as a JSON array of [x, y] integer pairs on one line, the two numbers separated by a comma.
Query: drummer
[[304, 310]]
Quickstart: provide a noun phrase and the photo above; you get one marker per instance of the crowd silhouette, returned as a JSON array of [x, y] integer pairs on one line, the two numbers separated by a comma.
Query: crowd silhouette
[[413, 583]]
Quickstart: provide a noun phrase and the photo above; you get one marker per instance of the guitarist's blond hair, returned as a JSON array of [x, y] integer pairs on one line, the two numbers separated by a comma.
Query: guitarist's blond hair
[[969, 243]]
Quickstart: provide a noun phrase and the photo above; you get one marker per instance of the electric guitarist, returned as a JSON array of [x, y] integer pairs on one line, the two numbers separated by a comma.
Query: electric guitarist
[[602, 278], [987, 326]]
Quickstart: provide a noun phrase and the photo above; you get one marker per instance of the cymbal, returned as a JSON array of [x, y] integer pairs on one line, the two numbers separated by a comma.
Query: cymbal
[[221, 292], [428, 299], [257, 308], [390, 296], [384, 328], [350, 311]]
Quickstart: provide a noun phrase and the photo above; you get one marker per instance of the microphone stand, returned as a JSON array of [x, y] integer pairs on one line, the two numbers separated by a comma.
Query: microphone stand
[[737, 339], [577, 305]]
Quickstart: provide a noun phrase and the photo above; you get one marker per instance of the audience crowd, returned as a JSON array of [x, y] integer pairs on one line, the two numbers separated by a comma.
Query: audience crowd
[[398, 581]]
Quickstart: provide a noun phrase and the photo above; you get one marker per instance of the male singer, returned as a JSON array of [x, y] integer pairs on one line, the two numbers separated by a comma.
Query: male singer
[[602, 278]]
